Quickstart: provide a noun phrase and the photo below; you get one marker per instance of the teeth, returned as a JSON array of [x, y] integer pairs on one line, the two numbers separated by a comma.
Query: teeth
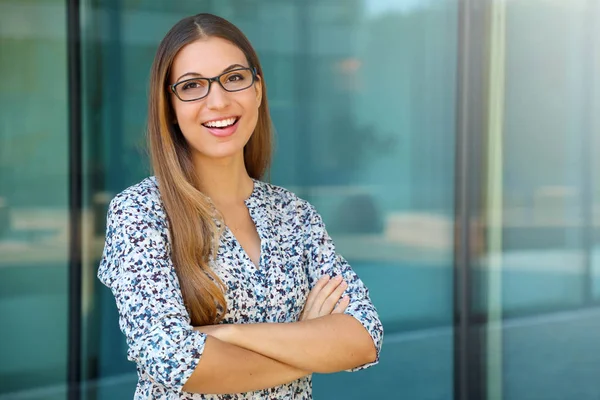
[[221, 124]]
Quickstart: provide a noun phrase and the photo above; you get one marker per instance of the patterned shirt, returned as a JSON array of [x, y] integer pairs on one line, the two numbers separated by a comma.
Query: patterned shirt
[[136, 265]]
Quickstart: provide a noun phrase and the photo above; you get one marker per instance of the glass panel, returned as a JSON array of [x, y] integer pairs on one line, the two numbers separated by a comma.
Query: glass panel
[[372, 134], [592, 142], [362, 97], [33, 199], [543, 278]]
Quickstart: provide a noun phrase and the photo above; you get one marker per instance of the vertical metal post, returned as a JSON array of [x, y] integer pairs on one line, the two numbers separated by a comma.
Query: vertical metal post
[[494, 197], [472, 108], [75, 199], [462, 298]]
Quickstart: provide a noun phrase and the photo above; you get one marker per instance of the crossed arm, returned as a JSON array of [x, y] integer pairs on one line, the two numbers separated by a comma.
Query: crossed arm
[[228, 358], [245, 357]]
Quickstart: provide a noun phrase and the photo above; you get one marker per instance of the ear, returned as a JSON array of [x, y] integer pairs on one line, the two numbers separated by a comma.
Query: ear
[[258, 89]]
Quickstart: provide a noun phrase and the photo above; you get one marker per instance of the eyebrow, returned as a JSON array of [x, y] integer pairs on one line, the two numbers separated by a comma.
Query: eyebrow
[[196, 74]]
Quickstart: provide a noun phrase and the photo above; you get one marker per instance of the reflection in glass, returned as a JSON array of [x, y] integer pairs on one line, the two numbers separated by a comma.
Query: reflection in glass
[[541, 310], [33, 199], [362, 93]]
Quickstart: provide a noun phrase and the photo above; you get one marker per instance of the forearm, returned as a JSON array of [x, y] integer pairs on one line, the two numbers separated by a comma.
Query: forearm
[[328, 344], [225, 368]]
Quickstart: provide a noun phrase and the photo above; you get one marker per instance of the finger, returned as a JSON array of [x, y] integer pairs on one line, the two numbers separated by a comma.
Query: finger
[[342, 305], [314, 292], [329, 303], [326, 291]]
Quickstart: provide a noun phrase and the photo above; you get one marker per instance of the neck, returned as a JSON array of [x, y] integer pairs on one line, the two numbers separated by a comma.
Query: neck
[[225, 181]]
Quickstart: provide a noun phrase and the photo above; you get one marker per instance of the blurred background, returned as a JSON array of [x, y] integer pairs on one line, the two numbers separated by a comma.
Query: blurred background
[[450, 146]]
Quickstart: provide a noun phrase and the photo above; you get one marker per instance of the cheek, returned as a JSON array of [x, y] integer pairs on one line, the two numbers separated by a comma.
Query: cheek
[[251, 107], [185, 117], [183, 112]]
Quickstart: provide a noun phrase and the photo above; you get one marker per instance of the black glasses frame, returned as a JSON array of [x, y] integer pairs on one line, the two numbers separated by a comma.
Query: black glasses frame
[[217, 78]]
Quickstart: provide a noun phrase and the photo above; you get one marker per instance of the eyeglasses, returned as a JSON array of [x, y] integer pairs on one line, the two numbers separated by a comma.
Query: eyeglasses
[[198, 88]]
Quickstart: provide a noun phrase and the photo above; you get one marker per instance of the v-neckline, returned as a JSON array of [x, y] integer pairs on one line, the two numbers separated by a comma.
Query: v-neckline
[[243, 251], [237, 243]]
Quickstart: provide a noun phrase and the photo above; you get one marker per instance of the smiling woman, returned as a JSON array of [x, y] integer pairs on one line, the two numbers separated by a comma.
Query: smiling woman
[[229, 109], [236, 77], [224, 283]]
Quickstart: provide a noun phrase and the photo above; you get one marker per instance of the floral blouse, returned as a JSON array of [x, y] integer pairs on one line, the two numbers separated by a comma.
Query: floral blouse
[[295, 252]]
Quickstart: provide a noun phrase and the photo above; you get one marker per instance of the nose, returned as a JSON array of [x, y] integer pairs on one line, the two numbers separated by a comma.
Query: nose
[[217, 97]]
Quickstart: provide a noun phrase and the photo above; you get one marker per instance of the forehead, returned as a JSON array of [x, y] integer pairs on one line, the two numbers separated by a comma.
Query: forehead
[[208, 57]]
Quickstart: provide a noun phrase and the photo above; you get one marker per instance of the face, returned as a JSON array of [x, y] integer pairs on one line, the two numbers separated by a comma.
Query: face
[[219, 125]]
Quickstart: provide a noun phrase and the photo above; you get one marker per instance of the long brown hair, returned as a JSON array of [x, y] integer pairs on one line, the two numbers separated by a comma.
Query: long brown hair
[[194, 232]]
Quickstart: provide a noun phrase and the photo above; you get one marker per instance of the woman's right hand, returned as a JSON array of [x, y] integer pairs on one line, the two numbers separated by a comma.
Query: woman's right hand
[[325, 298]]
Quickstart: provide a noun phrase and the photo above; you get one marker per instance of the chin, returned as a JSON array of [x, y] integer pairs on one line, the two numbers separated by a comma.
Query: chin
[[223, 150]]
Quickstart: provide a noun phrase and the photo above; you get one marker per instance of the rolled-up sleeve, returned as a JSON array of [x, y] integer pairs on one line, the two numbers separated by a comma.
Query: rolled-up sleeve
[[322, 259], [137, 267]]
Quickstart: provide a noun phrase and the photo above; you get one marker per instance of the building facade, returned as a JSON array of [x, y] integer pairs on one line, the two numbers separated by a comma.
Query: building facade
[[450, 146]]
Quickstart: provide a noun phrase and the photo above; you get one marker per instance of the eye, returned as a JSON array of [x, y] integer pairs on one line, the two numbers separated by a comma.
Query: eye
[[191, 85], [236, 77]]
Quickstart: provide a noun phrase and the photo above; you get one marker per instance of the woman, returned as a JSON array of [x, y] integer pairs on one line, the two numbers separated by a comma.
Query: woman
[[226, 284]]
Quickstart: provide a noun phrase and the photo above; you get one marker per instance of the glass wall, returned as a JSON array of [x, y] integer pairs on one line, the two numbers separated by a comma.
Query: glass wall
[[542, 287], [33, 199], [371, 100]]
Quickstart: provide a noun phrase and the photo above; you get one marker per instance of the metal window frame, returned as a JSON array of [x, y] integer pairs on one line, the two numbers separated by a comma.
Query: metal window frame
[[470, 369], [75, 200]]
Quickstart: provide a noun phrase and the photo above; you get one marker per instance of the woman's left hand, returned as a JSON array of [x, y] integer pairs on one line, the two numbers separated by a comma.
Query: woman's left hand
[[325, 298]]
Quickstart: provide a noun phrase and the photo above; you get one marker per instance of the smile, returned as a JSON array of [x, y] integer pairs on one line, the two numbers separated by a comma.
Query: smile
[[222, 123], [222, 128]]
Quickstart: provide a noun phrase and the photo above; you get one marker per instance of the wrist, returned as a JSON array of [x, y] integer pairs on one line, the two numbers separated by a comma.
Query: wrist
[[229, 333], [223, 332], [243, 335]]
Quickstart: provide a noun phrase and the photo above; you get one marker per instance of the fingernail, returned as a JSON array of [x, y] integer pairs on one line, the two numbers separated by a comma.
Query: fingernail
[[325, 277], [338, 278]]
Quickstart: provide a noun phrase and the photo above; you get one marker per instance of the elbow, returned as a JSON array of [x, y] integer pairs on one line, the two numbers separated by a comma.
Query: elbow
[[369, 344], [366, 344], [367, 354], [170, 366], [170, 375], [370, 353], [362, 354]]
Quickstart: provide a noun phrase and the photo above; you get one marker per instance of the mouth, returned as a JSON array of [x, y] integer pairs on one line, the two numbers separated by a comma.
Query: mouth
[[222, 128], [220, 124]]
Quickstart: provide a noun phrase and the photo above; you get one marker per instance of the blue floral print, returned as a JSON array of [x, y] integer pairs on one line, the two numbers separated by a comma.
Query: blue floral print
[[295, 252]]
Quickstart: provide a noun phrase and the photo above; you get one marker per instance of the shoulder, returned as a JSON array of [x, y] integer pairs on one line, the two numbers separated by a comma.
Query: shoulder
[[142, 198], [142, 193], [284, 201], [136, 231]]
